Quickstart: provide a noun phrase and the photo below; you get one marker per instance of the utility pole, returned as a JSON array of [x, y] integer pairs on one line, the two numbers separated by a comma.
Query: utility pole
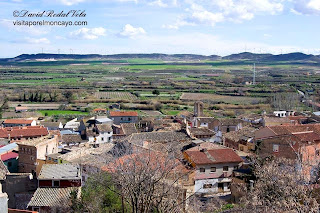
[[254, 74]]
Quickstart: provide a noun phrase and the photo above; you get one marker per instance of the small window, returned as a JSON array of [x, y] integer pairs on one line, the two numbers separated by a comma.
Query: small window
[[202, 170], [56, 183], [207, 186], [213, 169], [275, 148], [317, 152], [102, 139], [225, 168], [241, 148]]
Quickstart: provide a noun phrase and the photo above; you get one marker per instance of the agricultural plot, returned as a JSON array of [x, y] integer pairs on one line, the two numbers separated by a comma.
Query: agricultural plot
[[115, 95], [220, 98]]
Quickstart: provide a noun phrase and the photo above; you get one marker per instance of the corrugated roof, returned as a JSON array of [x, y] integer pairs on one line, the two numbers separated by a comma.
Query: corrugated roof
[[50, 197], [7, 148], [9, 155], [59, 172], [123, 113], [103, 120]]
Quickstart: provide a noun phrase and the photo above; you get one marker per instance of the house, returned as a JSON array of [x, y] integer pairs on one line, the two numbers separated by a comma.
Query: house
[[124, 117], [283, 113], [291, 142], [99, 133], [72, 124], [52, 199], [56, 183], [276, 121], [23, 133], [213, 169], [59, 175], [21, 109], [9, 155], [52, 125], [202, 133], [99, 111], [18, 122], [242, 140], [208, 122], [32, 153], [71, 140], [229, 124]]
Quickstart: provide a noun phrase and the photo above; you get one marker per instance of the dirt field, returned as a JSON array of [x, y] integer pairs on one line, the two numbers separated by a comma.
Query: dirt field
[[220, 98]]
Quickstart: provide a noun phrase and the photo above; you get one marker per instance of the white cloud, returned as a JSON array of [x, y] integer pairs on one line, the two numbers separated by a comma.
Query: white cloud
[[306, 7], [70, 2], [29, 40], [180, 22], [132, 32], [87, 33], [32, 30], [216, 11], [158, 3]]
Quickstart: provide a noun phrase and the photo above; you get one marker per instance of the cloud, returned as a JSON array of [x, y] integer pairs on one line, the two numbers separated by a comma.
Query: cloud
[[70, 2], [306, 7], [180, 22], [29, 40], [216, 11], [158, 3], [32, 30], [132, 32], [87, 33]]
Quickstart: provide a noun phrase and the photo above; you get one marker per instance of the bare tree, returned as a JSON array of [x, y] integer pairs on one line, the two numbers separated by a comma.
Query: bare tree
[[278, 188], [149, 181]]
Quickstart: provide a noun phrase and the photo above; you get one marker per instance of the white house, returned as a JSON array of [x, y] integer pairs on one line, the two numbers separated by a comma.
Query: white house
[[213, 169], [100, 133]]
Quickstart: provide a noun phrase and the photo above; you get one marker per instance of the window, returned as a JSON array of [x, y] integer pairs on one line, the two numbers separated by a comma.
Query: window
[[317, 152], [102, 138], [202, 170], [32, 158], [207, 186], [55, 183], [275, 148], [225, 168], [241, 148], [213, 169]]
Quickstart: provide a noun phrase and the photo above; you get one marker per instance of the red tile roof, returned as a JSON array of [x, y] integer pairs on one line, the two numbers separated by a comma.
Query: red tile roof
[[9, 155], [213, 156], [17, 121], [99, 109], [122, 113], [26, 131]]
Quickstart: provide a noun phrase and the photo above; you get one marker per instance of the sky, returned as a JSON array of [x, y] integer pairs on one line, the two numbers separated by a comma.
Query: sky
[[207, 27]]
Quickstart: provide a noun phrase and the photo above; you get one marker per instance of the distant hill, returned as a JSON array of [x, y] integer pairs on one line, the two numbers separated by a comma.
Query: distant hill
[[246, 56], [155, 56], [171, 57]]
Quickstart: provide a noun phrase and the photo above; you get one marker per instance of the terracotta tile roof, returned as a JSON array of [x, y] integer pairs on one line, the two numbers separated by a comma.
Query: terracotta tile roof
[[129, 128], [123, 113], [71, 138], [26, 131], [245, 132], [206, 119], [201, 131], [17, 121], [52, 197], [104, 127], [229, 121], [159, 137], [214, 156]]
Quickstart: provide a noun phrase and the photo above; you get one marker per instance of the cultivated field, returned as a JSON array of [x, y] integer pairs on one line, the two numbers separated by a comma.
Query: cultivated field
[[115, 95], [220, 98]]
